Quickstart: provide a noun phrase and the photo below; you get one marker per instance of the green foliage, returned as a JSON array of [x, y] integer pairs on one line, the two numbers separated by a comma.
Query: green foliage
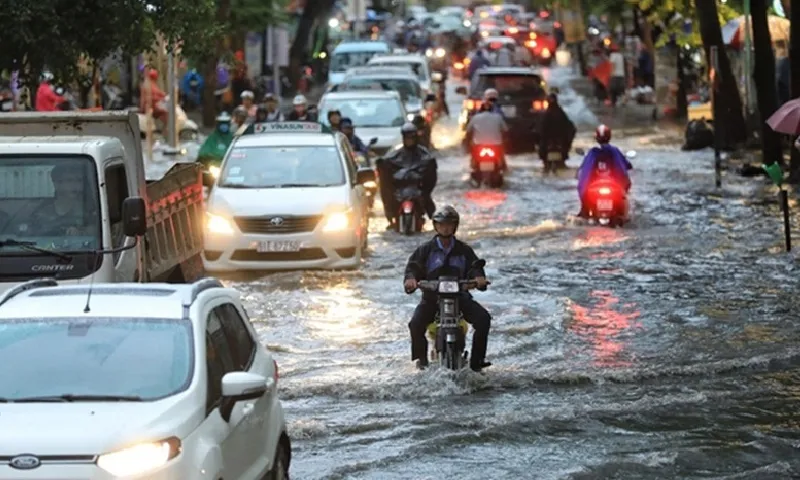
[[671, 15]]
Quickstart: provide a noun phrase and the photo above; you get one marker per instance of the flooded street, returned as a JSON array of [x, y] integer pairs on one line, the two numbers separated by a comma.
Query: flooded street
[[665, 349]]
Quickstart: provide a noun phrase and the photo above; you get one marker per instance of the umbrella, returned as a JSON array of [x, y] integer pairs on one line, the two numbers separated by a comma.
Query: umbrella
[[733, 31], [787, 118]]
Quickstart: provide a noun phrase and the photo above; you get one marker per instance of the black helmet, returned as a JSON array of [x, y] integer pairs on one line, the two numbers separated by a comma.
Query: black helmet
[[419, 121], [408, 128], [334, 112], [447, 214]]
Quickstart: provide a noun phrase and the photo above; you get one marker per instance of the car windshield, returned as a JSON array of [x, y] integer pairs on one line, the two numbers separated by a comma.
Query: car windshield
[[141, 357], [367, 112], [406, 87], [282, 167], [416, 67], [527, 85], [341, 61], [50, 202]]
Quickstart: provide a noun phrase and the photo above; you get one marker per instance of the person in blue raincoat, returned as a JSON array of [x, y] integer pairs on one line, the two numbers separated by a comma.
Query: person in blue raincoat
[[604, 156], [477, 62], [192, 88]]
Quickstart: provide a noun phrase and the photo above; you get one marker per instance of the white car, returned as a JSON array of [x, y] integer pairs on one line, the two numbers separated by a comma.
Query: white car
[[375, 114], [418, 63], [136, 381], [290, 195]]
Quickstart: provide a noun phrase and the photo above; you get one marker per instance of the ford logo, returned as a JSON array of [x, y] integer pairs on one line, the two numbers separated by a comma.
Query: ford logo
[[277, 221], [25, 462]]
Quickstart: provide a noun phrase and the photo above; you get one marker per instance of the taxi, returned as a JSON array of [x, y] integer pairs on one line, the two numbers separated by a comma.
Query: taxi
[[289, 195]]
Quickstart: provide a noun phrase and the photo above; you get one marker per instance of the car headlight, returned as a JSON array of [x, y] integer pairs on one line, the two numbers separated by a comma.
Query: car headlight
[[546, 53], [440, 52], [336, 222], [429, 52], [214, 171], [448, 287], [219, 225], [140, 458]]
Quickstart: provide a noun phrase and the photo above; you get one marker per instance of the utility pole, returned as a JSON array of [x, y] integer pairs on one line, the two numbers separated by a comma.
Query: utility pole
[[276, 67], [748, 63], [172, 133]]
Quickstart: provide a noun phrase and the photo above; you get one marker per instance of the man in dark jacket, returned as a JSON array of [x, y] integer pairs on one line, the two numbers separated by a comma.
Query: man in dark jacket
[[556, 129], [444, 255], [415, 159]]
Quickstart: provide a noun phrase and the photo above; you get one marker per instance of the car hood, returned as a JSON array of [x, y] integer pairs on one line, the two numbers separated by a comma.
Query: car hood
[[387, 136], [256, 202], [91, 428], [335, 78]]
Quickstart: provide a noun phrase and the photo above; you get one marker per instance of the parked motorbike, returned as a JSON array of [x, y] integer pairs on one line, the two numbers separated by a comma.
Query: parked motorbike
[[448, 332], [487, 161], [187, 128]]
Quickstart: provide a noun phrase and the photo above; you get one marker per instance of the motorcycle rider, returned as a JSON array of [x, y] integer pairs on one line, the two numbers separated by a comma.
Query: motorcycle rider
[[555, 125], [335, 120], [424, 131], [477, 62], [444, 255], [47, 100], [491, 97], [604, 157], [217, 143], [300, 112], [488, 129], [505, 56], [153, 97], [273, 113], [239, 121], [346, 125], [409, 154], [248, 103]]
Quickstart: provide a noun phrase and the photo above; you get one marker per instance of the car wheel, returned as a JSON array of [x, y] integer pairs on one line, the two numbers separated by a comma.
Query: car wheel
[[280, 466]]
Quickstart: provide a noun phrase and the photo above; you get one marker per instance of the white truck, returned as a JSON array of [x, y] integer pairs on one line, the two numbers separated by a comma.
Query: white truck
[[75, 203]]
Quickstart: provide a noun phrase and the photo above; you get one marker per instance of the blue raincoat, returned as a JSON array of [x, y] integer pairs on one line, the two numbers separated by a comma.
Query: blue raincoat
[[618, 164], [186, 88]]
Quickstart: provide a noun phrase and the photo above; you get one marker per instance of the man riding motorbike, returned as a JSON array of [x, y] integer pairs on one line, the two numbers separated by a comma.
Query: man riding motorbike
[[215, 146], [445, 255], [486, 129], [335, 120], [491, 98], [273, 112], [555, 128], [477, 62], [300, 112], [409, 154], [153, 97], [47, 100], [604, 157], [423, 130], [346, 125]]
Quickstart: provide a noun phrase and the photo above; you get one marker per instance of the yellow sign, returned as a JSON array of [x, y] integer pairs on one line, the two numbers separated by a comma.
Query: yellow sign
[[571, 19]]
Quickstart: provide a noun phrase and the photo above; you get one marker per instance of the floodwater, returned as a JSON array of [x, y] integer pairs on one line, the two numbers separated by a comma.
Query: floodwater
[[665, 349]]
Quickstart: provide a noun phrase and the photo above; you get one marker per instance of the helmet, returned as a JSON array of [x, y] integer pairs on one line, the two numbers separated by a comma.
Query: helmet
[[345, 122], [408, 128], [418, 121], [602, 134], [247, 94], [447, 214], [223, 118], [299, 100], [490, 93], [47, 76]]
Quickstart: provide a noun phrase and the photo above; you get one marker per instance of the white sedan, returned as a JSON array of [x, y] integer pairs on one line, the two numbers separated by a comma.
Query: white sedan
[[136, 381]]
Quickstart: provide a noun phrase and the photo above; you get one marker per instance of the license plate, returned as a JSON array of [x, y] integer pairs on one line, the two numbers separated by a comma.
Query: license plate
[[554, 156], [487, 167], [262, 247], [605, 205], [8, 105], [509, 110]]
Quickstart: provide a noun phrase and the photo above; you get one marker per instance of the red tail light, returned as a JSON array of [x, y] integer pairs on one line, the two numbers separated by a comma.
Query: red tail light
[[487, 152], [604, 191], [472, 104], [408, 206], [556, 24], [540, 104]]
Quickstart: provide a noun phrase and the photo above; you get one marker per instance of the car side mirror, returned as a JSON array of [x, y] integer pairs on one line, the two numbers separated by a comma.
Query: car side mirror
[[373, 141], [580, 151], [461, 90], [365, 175], [134, 217], [241, 386]]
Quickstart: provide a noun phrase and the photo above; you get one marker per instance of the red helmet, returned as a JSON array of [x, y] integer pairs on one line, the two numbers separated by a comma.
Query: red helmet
[[152, 74], [602, 134]]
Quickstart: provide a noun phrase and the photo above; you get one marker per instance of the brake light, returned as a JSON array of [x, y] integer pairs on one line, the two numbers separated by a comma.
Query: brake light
[[467, 61], [540, 104], [545, 53], [408, 206], [275, 375], [532, 36], [604, 191], [531, 44], [472, 104], [556, 24], [459, 66], [513, 30], [486, 152]]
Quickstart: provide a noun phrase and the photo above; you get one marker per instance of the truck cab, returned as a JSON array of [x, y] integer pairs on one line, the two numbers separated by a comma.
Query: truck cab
[[64, 178]]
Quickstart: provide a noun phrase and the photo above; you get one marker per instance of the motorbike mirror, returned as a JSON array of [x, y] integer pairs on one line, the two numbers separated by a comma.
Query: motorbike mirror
[[479, 263], [630, 154], [461, 90], [580, 151], [134, 217], [373, 141]]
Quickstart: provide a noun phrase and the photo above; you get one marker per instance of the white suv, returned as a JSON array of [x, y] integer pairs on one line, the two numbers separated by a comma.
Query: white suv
[[155, 381]]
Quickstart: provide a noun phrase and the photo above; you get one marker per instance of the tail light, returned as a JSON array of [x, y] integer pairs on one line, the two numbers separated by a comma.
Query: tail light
[[545, 53], [275, 375], [540, 105], [531, 44], [556, 24], [604, 191], [408, 206], [459, 66], [467, 61], [487, 152], [513, 31], [472, 104], [532, 35]]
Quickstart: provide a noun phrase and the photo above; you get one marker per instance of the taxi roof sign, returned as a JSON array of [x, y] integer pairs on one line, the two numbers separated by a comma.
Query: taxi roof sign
[[286, 127]]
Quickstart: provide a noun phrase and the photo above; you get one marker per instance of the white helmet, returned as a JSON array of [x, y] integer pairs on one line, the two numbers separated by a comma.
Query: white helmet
[[47, 76], [247, 94], [299, 100]]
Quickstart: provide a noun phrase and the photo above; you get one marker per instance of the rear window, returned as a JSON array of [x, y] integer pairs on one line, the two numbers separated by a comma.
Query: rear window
[[528, 85]]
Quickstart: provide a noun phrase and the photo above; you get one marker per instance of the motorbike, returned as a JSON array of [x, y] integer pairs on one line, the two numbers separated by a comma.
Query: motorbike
[[606, 200], [448, 332], [408, 193], [370, 188], [487, 160], [187, 128], [553, 157]]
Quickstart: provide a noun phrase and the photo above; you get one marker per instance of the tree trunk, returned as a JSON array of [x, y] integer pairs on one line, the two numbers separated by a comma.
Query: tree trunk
[[681, 103], [299, 49], [764, 78], [794, 79], [210, 69], [728, 120]]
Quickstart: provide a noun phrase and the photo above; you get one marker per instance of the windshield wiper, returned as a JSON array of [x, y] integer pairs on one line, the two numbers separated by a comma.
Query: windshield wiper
[[31, 247], [298, 185], [70, 397]]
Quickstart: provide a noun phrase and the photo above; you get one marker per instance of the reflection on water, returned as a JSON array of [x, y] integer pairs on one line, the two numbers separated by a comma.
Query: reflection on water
[[486, 198], [339, 314], [599, 237], [603, 324]]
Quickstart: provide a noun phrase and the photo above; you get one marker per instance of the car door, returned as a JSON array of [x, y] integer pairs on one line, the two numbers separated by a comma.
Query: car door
[[237, 453], [357, 192]]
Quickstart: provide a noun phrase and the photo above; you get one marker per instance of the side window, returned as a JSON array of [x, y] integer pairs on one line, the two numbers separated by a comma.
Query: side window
[[241, 343], [116, 192], [218, 360], [350, 158]]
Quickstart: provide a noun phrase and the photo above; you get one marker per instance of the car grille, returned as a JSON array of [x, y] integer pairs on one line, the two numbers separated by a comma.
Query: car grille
[[278, 224]]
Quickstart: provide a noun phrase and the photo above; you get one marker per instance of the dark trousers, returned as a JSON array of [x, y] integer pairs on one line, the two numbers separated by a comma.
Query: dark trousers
[[474, 313]]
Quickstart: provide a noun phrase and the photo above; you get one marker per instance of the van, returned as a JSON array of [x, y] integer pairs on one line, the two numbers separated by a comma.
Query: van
[[353, 54]]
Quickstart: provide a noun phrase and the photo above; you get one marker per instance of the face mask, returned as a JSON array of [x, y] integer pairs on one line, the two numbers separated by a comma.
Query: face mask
[[223, 127]]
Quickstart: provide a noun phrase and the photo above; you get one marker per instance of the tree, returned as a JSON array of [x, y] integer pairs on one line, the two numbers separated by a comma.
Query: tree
[[312, 13], [764, 77], [729, 122]]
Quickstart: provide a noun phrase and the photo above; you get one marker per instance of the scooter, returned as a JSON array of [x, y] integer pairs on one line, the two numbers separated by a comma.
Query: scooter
[[553, 157], [187, 128], [409, 218], [487, 161], [606, 201], [448, 332]]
